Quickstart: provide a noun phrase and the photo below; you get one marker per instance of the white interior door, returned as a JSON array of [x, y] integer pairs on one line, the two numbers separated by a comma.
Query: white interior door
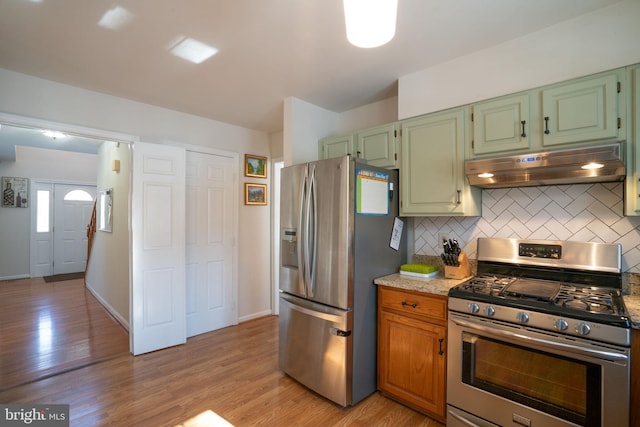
[[211, 302], [73, 206], [158, 318]]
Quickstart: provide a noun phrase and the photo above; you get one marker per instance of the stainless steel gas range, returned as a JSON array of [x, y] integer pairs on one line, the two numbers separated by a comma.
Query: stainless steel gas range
[[540, 337]]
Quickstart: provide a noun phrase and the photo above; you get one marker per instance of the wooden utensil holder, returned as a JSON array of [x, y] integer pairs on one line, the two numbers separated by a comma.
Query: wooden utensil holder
[[461, 271]]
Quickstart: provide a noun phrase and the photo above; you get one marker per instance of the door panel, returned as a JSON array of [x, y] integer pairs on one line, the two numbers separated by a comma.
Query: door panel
[[581, 111], [71, 219], [158, 317], [311, 349], [211, 301], [291, 280], [334, 222]]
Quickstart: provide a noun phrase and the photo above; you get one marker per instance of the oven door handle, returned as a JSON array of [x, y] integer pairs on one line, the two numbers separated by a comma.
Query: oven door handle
[[550, 345]]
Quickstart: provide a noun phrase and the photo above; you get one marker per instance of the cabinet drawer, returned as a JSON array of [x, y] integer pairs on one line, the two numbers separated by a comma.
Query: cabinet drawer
[[410, 302]]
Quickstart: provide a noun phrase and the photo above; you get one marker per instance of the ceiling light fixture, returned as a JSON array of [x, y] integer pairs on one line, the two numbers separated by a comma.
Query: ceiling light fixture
[[370, 23], [192, 50], [53, 134], [485, 175], [115, 18]]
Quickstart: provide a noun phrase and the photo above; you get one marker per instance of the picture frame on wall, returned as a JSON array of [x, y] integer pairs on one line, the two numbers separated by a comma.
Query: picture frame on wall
[[15, 192], [255, 194], [255, 166]]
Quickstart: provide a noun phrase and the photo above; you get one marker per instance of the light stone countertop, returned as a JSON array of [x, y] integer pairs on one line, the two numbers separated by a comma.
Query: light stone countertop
[[438, 285], [434, 285], [632, 302]]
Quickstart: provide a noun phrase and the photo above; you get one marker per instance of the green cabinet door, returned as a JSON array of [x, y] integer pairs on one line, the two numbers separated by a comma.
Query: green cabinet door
[[583, 110], [335, 146], [432, 181], [632, 182], [501, 125], [378, 146]]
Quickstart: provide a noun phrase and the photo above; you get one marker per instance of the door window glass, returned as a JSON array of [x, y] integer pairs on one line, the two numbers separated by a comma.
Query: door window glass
[[42, 211], [551, 383], [78, 196]]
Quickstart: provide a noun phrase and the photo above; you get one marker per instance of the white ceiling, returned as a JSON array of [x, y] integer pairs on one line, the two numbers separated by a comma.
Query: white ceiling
[[268, 49]]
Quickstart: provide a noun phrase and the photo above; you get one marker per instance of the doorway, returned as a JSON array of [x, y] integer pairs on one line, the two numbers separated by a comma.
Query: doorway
[[275, 252], [60, 215]]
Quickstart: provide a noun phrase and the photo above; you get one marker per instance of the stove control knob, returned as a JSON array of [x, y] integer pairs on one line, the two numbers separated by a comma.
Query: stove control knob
[[561, 324], [522, 317], [583, 329], [474, 308], [489, 311]]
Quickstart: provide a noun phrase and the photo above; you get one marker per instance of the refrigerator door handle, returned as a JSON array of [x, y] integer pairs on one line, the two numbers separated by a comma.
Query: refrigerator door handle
[[302, 233], [313, 217], [306, 233]]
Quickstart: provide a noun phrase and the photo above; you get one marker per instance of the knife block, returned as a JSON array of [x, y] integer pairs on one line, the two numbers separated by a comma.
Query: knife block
[[460, 272]]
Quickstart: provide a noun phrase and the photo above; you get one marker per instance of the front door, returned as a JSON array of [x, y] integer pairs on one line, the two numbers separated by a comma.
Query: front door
[[73, 206], [211, 301]]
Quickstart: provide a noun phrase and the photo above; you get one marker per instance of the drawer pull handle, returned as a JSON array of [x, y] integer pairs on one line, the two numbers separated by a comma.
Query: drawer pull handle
[[440, 341], [523, 134], [414, 305]]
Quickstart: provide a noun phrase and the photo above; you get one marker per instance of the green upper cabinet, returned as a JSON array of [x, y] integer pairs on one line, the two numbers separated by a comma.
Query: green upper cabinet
[[632, 183], [432, 181], [501, 125], [580, 110], [335, 146], [378, 146]]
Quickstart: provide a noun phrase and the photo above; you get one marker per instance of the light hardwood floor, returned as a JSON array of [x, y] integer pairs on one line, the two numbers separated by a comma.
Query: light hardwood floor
[[231, 372], [48, 328]]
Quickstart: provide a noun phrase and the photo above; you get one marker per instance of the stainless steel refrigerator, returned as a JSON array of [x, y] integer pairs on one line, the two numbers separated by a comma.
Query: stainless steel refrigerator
[[338, 233]]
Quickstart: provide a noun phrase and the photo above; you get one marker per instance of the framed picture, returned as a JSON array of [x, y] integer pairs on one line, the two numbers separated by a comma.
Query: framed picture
[[15, 192], [255, 166], [255, 194]]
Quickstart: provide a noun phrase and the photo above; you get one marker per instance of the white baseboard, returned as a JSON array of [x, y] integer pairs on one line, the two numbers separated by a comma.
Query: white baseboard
[[19, 276], [255, 316], [108, 307]]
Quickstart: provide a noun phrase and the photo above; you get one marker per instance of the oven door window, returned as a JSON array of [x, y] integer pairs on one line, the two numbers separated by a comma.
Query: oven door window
[[566, 388]]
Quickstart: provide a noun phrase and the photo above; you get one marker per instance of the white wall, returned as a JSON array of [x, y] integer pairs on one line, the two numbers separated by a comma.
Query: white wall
[[367, 116], [108, 268], [15, 227], [304, 125], [599, 41], [24, 95]]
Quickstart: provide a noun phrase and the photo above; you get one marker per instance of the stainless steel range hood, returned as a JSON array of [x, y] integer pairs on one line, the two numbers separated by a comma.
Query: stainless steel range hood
[[602, 163]]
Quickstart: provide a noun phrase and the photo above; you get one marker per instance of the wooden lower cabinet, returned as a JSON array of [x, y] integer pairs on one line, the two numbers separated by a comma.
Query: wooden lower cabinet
[[412, 349], [634, 417]]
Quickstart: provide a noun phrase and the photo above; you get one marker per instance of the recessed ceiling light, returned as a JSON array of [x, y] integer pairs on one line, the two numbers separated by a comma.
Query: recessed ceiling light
[[116, 18], [193, 50], [53, 134], [485, 175]]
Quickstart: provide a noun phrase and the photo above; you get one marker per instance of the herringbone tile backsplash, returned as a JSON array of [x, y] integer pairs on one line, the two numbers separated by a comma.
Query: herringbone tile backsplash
[[585, 213]]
